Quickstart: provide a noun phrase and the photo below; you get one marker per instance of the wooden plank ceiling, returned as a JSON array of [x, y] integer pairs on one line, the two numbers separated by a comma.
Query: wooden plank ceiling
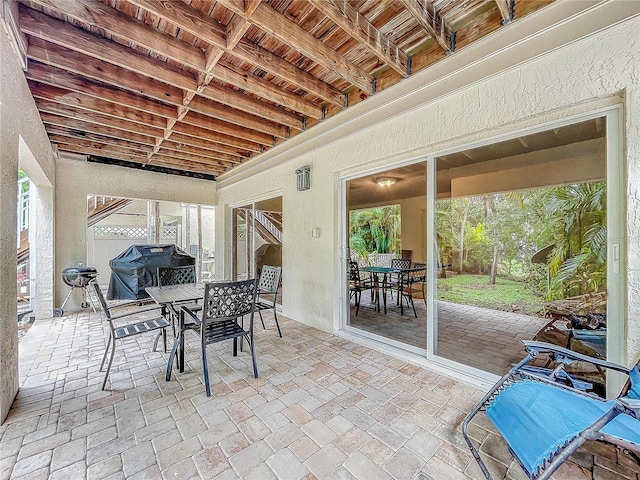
[[197, 87]]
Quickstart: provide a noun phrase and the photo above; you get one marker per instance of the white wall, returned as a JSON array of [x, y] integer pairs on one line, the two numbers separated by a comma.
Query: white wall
[[77, 178], [19, 119], [531, 82]]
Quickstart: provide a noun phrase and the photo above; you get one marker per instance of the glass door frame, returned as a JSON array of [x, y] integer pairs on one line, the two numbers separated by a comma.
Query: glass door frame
[[341, 322], [616, 246], [232, 231]]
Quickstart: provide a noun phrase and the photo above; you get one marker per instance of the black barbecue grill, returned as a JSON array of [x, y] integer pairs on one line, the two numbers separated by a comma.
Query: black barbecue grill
[[77, 277]]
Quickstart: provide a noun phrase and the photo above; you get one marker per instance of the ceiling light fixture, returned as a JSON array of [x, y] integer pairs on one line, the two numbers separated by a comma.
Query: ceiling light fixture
[[385, 181]]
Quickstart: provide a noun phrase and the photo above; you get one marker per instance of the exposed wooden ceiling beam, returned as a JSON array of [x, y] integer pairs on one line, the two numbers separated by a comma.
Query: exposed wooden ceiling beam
[[98, 148], [60, 124], [507, 10], [92, 68], [214, 167], [87, 148], [359, 28], [97, 118], [177, 146], [90, 104], [218, 136], [168, 157], [290, 33], [227, 160], [240, 118], [426, 14], [85, 102], [251, 105], [140, 141], [97, 139], [99, 15], [235, 76], [59, 78], [202, 26], [157, 90], [208, 144], [203, 121], [61, 33], [267, 61]]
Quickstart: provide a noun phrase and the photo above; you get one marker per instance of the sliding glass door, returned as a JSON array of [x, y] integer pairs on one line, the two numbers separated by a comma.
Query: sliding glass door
[[256, 237], [521, 239]]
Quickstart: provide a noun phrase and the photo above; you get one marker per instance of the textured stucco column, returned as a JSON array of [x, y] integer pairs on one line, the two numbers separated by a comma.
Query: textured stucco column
[[41, 248], [20, 131], [8, 286]]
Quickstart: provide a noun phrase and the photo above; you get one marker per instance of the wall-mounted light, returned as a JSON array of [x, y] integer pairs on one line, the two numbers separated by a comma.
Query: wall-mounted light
[[385, 181], [303, 178]]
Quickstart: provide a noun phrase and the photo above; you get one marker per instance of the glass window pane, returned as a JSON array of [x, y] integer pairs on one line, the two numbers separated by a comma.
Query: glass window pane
[[521, 233]]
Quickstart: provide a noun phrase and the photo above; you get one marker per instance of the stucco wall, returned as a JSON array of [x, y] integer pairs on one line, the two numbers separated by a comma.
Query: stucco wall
[[18, 118], [77, 178], [600, 70]]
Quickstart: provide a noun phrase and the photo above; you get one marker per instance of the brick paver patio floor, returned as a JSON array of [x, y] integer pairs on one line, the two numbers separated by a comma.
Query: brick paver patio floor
[[479, 337], [323, 408]]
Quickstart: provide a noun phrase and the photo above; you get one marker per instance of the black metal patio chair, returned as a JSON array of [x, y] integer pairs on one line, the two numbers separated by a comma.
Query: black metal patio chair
[[178, 276], [544, 419], [412, 285], [268, 292], [118, 329], [394, 280], [357, 285], [224, 306]]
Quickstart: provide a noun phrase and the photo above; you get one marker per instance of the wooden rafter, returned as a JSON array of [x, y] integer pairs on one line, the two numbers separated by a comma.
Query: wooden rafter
[[195, 22], [426, 14], [197, 86], [60, 78], [290, 33], [99, 15], [74, 38], [358, 27], [506, 8], [100, 49]]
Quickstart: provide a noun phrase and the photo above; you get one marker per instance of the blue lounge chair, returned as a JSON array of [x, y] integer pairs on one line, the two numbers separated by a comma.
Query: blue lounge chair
[[544, 421]]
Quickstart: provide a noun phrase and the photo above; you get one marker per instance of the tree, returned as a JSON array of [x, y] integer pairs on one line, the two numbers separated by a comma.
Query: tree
[[579, 228], [375, 229]]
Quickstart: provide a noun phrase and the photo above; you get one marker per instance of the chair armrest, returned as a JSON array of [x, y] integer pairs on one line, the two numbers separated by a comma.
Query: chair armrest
[[135, 312], [631, 404], [192, 316], [542, 347]]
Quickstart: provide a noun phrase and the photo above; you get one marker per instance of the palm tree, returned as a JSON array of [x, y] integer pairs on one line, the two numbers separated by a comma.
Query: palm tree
[[579, 229], [375, 229]]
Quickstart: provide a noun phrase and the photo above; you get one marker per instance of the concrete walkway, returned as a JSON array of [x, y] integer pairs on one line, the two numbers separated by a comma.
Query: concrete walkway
[[323, 408]]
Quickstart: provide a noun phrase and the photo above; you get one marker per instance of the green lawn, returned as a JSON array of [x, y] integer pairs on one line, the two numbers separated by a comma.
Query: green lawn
[[505, 295]]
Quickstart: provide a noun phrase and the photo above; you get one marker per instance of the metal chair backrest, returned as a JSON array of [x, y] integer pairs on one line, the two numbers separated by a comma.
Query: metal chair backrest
[[269, 279], [354, 271], [176, 275], [229, 301], [403, 263]]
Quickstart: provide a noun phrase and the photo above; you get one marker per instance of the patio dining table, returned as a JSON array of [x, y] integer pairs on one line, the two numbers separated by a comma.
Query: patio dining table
[[170, 296], [378, 285], [404, 275]]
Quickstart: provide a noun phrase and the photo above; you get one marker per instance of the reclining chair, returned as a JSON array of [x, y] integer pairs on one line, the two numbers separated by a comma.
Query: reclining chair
[[543, 420]]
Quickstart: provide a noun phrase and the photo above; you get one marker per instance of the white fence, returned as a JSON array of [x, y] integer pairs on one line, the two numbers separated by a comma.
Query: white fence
[[105, 242]]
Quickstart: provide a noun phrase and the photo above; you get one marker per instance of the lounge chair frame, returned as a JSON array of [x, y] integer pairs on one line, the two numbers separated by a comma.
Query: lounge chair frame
[[623, 405]]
